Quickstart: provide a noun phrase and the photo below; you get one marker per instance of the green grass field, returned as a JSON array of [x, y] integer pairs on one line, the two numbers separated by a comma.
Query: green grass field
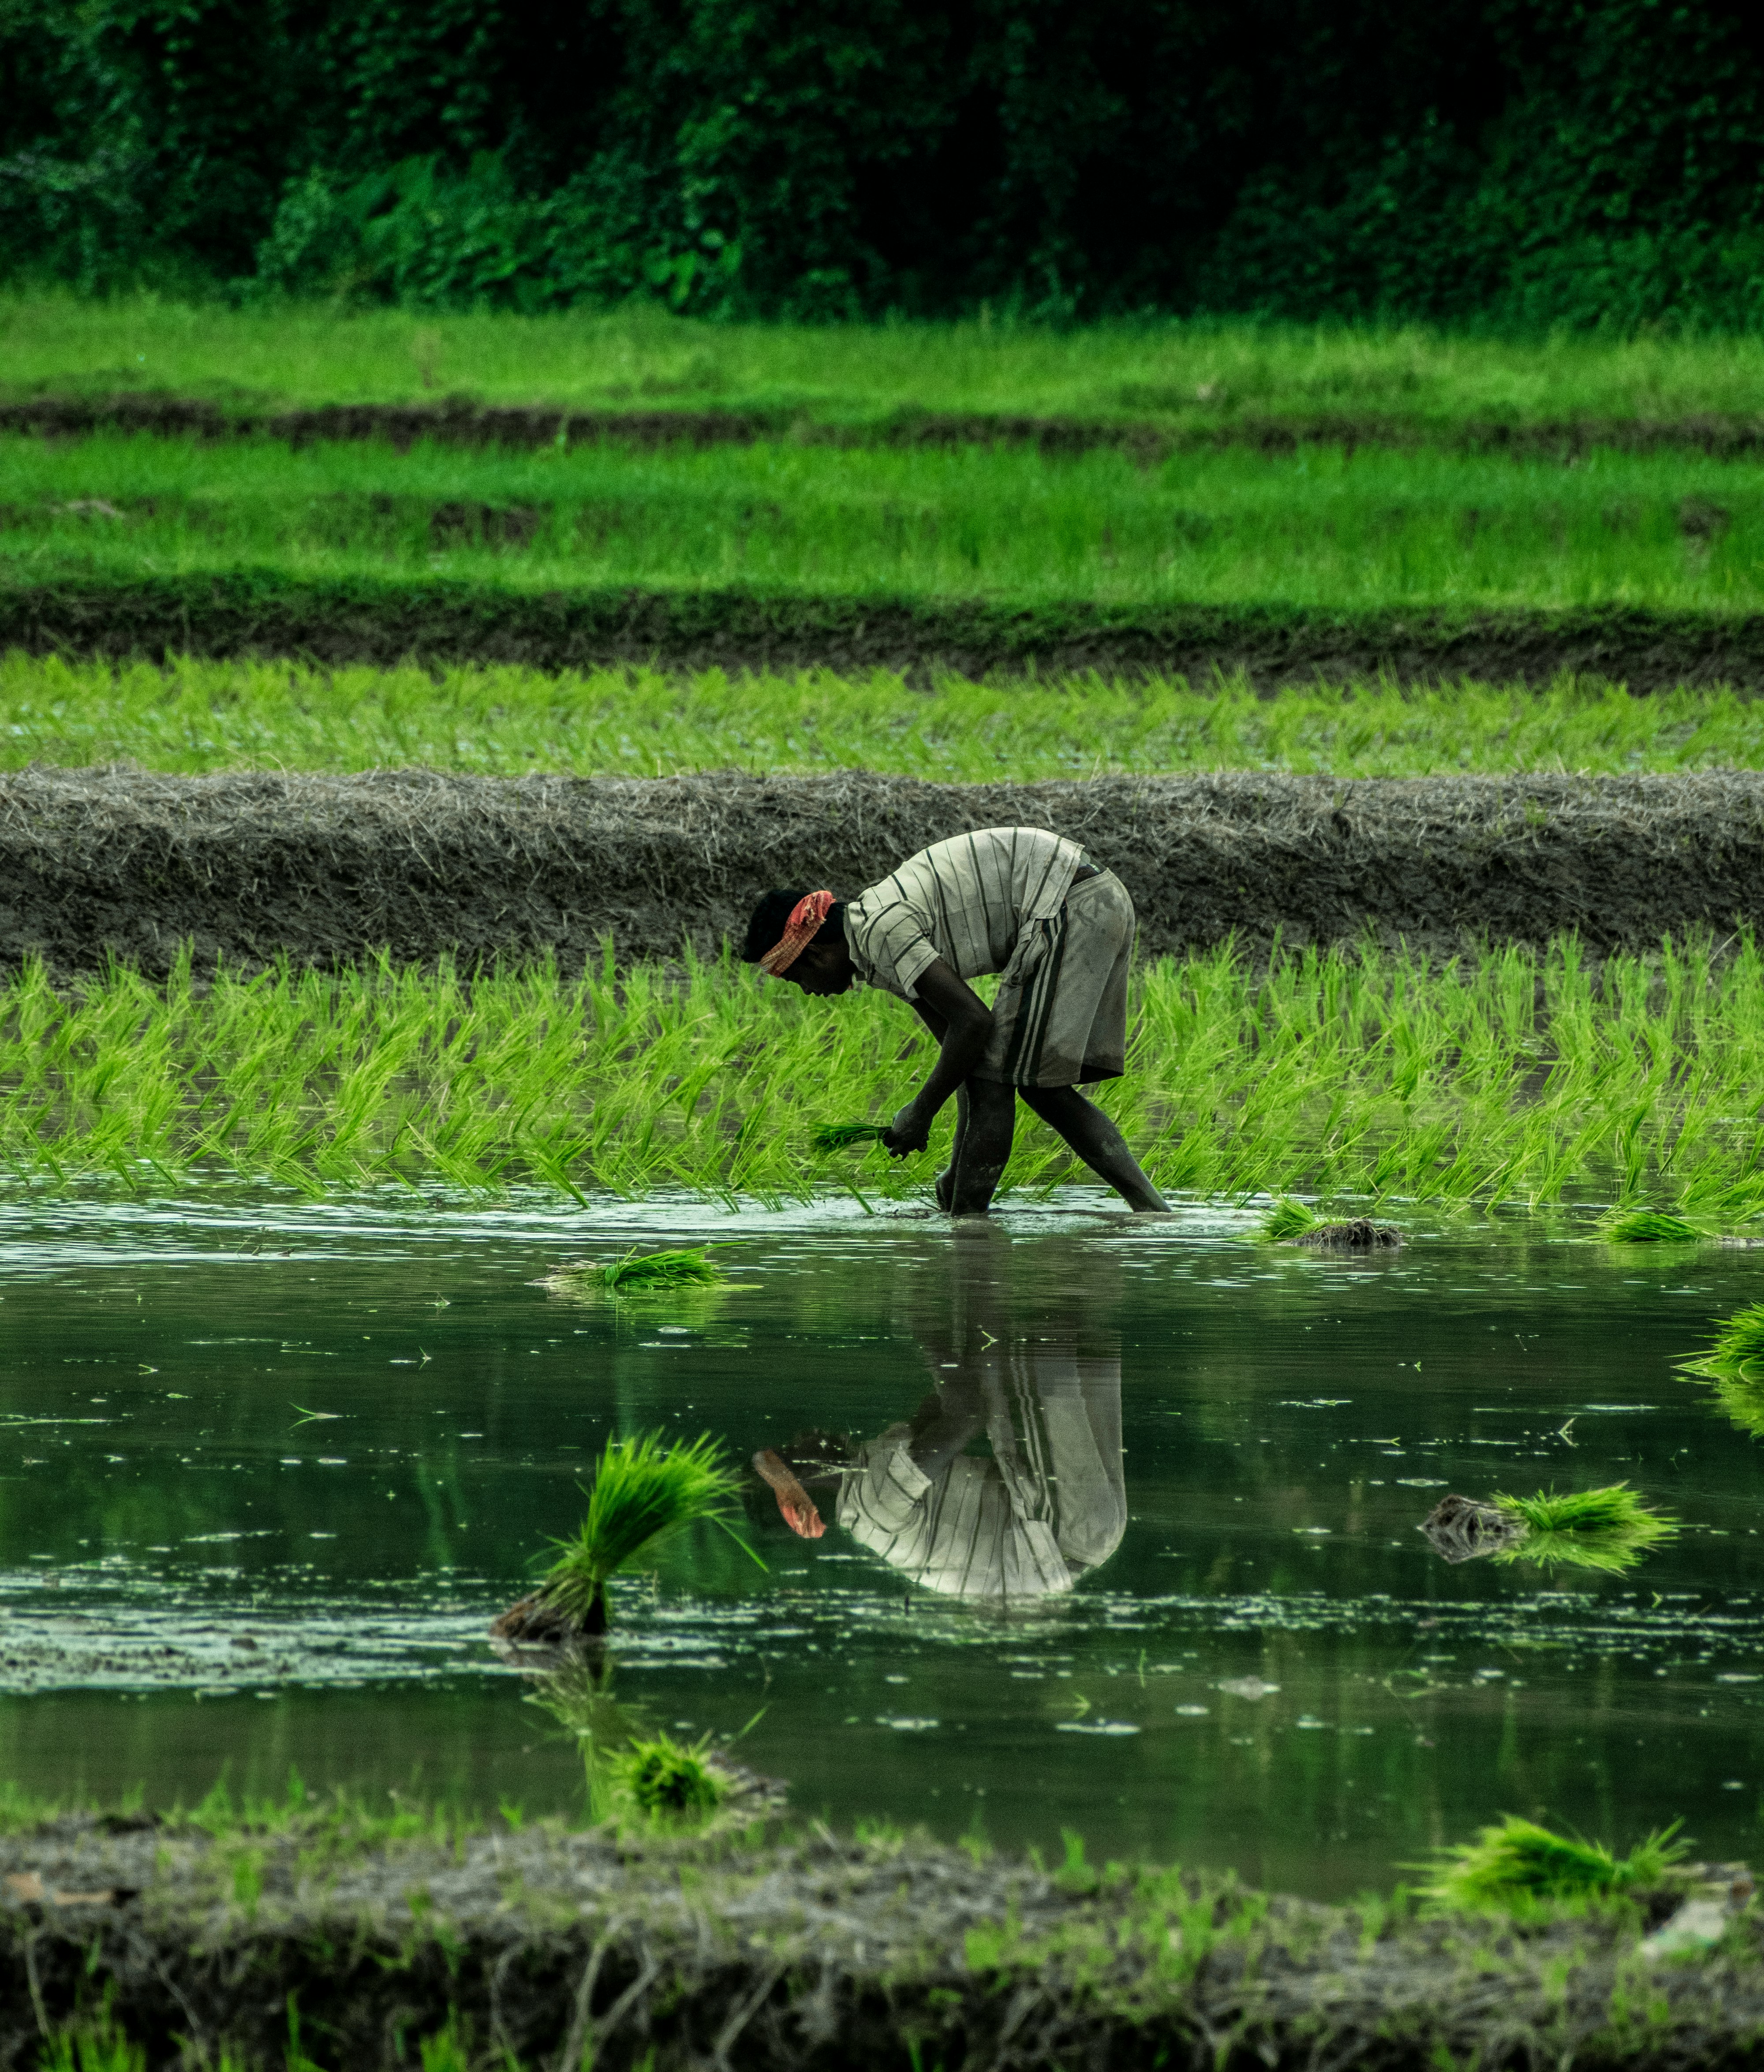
[[1198, 374], [199, 716], [1510, 1078], [1322, 529]]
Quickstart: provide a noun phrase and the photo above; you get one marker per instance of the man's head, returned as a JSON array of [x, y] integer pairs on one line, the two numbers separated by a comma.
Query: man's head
[[822, 964]]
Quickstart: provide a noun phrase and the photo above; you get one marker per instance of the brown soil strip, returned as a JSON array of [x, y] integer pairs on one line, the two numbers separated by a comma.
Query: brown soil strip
[[543, 1947], [460, 422], [378, 622], [328, 869]]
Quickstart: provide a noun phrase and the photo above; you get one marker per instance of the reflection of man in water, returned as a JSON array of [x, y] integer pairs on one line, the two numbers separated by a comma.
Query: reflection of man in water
[[1025, 1520]]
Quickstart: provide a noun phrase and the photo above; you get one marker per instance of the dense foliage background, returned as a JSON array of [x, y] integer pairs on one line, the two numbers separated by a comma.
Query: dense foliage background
[[1510, 161]]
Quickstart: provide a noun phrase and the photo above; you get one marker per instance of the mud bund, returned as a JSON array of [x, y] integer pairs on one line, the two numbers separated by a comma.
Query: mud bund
[[381, 622], [546, 1948], [118, 862]]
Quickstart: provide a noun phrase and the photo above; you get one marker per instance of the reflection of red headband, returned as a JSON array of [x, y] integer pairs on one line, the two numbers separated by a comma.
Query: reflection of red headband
[[806, 917]]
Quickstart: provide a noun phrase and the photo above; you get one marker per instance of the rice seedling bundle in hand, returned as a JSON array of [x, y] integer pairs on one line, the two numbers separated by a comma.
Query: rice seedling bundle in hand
[[1609, 1528], [842, 1136], [644, 1491], [1514, 1866]]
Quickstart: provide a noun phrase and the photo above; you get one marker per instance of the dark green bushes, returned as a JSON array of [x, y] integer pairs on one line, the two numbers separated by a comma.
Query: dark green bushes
[[1593, 161]]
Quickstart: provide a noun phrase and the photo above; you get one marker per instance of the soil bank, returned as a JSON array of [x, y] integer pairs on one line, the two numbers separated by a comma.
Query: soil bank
[[381, 622], [326, 869], [548, 1947], [460, 421]]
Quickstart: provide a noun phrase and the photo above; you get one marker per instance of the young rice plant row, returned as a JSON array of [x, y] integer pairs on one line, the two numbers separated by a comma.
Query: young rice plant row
[[1203, 373], [1327, 527], [198, 716], [1515, 1075]]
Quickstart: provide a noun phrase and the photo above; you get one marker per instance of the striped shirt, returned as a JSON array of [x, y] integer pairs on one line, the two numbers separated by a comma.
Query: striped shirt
[[963, 900]]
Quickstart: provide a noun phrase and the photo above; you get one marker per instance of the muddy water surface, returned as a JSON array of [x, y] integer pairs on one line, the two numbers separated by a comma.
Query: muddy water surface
[[1119, 1517]]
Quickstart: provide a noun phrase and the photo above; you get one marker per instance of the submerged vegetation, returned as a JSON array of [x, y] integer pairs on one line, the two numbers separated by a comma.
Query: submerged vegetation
[[1517, 1075], [197, 715], [1517, 1867]]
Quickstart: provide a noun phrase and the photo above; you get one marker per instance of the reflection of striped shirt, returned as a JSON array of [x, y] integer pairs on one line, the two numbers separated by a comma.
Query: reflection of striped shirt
[[1047, 1504], [963, 900]]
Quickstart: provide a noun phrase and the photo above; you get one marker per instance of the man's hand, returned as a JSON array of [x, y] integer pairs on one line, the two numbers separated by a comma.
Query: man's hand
[[908, 1131], [796, 1506]]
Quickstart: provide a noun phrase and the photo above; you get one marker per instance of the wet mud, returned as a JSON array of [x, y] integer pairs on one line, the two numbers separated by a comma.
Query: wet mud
[[1362, 1235], [330, 869], [462, 421], [542, 1946]]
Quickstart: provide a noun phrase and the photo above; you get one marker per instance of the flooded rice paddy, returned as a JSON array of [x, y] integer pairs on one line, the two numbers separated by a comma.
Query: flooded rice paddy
[[1120, 1517]]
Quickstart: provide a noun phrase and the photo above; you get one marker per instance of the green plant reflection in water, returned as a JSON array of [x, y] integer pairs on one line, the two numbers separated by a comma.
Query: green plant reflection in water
[[1609, 1529], [633, 1774], [1734, 1364]]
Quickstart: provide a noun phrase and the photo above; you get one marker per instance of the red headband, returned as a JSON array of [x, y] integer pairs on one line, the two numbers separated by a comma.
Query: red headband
[[806, 917]]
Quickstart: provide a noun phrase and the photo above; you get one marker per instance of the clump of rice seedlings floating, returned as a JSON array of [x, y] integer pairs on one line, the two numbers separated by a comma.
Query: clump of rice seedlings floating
[[1648, 1226], [1609, 1529], [1292, 1222], [1735, 1364], [842, 1136], [672, 1783], [1516, 1867], [1286, 1220], [641, 1272], [1738, 1349], [653, 1273], [644, 1491]]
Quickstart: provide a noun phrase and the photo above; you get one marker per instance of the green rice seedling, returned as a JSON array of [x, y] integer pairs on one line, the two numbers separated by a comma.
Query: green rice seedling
[[657, 1272], [1509, 1077], [1735, 1365], [1648, 1226], [1516, 1867], [1287, 1219], [669, 1782], [841, 1136], [644, 1491], [1738, 1349], [1258, 529], [193, 715], [1608, 1529]]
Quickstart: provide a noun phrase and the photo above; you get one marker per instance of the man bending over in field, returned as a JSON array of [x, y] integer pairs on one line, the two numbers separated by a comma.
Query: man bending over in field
[[1022, 902]]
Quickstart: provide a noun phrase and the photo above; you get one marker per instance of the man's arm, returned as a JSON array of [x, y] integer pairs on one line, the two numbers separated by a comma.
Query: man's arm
[[962, 1023]]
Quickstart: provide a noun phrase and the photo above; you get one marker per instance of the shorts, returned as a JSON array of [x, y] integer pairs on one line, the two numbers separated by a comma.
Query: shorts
[[1060, 1016]]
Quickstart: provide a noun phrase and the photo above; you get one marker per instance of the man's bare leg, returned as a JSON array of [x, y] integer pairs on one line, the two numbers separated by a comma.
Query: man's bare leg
[[1097, 1142], [986, 1125], [946, 1180]]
